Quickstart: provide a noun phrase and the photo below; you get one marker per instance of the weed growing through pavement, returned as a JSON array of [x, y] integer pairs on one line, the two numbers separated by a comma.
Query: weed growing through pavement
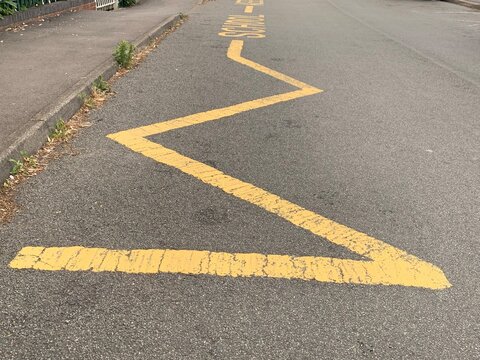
[[124, 53], [60, 131], [17, 166], [23, 165], [100, 85], [88, 100]]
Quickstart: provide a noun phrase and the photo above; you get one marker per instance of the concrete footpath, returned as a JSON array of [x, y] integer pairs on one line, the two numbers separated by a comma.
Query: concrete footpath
[[474, 4], [47, 64]]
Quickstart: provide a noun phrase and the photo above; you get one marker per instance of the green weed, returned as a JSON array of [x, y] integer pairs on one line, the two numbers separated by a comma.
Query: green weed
[[100, 85], [60, 130], [17, 167], [22, 165], [127, 3], [88, 101], [124, 53], [7, 7]]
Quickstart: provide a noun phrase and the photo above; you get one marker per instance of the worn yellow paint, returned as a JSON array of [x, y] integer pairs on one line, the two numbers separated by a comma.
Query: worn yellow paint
[[154, 261], [248, 9], [249, 26], [250, 2], [385, 264]]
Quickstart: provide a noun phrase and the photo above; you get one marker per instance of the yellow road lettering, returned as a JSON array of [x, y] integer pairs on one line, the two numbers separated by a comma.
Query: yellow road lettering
[[248, 9], [249, 26]]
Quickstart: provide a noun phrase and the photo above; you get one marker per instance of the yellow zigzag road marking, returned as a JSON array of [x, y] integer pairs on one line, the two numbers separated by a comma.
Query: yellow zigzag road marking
[[387, 265]]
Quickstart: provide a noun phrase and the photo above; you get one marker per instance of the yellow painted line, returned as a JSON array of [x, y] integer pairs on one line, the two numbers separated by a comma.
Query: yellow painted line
[[248, 9], [386, 265], [136, 137], [196, 262], [250, 2]]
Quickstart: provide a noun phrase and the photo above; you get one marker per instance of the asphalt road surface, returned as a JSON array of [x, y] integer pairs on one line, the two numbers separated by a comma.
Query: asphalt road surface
[[323, 203]]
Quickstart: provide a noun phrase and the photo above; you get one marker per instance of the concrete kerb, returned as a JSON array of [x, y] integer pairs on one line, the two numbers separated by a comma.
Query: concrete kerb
[[470, 4], [69, 103]]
